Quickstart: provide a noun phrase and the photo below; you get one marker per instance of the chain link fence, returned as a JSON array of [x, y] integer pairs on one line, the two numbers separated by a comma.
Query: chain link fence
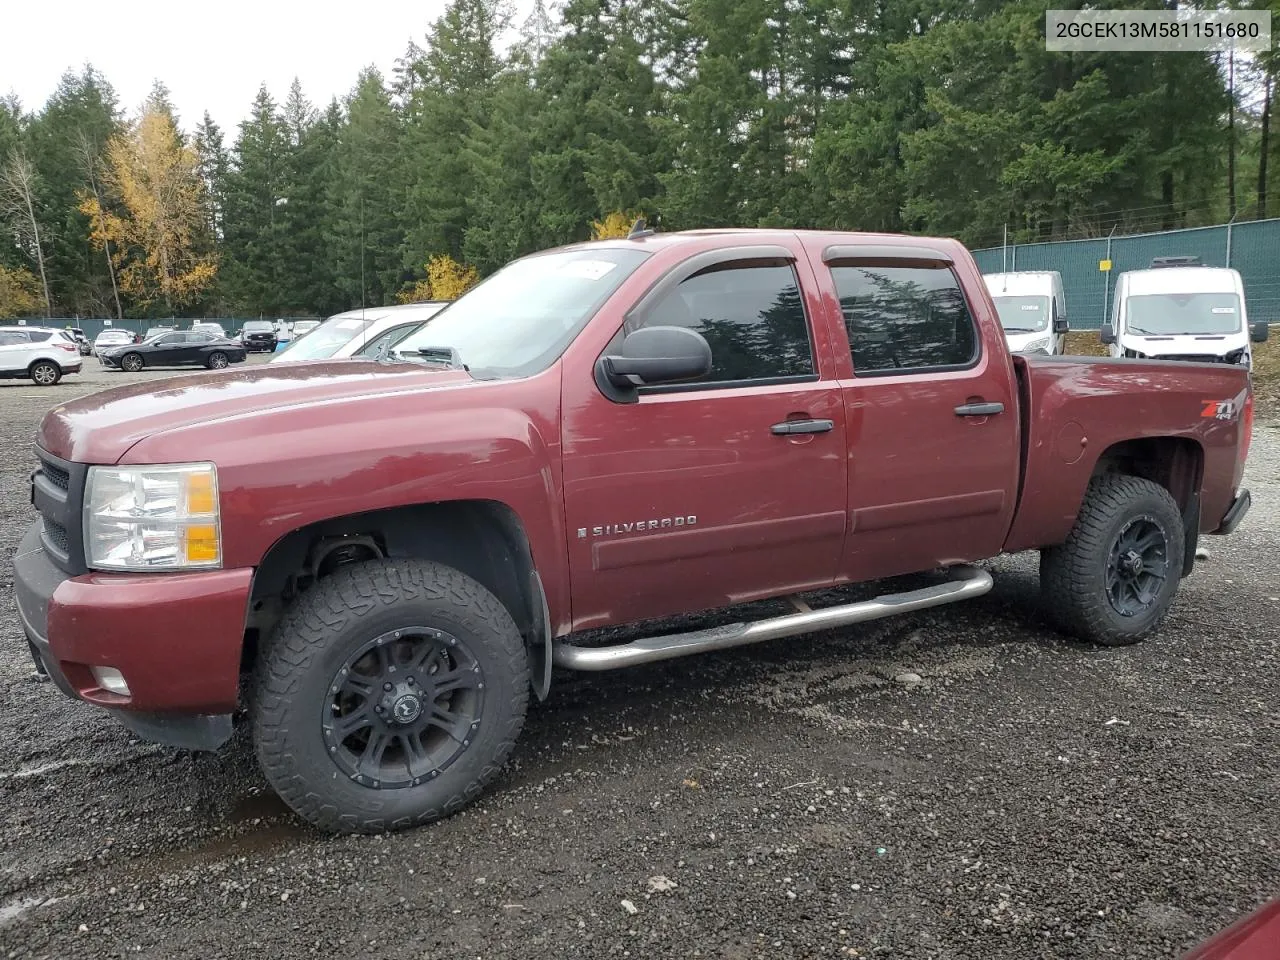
[[1253, 248]]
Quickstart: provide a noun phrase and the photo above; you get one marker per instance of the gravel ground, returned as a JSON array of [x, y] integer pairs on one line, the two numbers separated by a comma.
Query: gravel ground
[[1027, 798]]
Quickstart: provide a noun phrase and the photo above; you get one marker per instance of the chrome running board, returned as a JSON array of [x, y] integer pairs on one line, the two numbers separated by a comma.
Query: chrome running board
[[966, 583]]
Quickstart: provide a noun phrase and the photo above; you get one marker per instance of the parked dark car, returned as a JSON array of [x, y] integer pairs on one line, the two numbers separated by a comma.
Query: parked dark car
[[172, 349], [258, 335], [82, 342]]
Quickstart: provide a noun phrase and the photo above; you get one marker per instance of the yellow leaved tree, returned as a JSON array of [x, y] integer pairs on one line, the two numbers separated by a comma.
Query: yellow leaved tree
[[447, 279], [19, 292], [615, 225], [151, 216]]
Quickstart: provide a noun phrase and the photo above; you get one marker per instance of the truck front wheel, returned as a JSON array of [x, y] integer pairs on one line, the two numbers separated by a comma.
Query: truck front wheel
[[388, 696], [1114, 579]]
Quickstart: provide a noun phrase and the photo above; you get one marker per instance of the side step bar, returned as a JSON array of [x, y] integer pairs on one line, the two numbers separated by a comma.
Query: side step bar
[[967, 582]]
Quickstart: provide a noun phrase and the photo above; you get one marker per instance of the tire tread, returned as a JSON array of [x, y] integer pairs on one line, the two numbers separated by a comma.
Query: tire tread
[[308, 627]]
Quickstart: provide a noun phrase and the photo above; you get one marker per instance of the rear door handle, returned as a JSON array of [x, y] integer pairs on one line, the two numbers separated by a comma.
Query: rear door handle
[[787, 427], [979, 409]]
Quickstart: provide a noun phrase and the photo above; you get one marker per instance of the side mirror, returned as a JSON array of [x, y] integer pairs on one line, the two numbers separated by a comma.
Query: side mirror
[[1107, 334], [654, 355], [1258, 332], [1060, 325]]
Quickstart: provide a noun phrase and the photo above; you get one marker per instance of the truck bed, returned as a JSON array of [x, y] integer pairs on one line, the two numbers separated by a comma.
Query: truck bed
[[1080, 414]]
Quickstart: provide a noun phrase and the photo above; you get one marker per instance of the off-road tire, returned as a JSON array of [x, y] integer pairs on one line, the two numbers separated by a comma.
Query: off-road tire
[[1073, 575], [132, 362], [45, 373], [312, 641]]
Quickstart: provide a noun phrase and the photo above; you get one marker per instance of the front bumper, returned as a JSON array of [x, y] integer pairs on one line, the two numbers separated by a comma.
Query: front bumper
[[1235, 513], [175, 637], [108, 361]]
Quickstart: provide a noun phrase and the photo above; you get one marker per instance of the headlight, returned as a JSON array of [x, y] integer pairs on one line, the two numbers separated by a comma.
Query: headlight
[[152, 518], [1036, 346]]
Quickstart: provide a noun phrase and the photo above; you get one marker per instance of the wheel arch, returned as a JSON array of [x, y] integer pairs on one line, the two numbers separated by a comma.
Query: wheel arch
[[1175, 463], [484, 539]]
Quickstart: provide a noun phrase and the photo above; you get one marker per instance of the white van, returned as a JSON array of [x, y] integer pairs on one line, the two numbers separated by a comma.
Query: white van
[[1181, 311], [1032, 308]]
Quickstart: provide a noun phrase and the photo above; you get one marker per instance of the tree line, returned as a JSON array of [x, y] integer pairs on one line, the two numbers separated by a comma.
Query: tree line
[[492, 139]]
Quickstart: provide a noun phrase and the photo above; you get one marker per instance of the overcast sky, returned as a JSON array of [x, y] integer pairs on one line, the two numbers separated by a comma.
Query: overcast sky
[[213, 55]]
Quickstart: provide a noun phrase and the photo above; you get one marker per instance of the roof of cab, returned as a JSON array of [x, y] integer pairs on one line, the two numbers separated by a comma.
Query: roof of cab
[[698, 240], [1022, 283], [1183, 280]]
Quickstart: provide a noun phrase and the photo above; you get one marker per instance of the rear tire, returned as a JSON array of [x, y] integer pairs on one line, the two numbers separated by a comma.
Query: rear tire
[[132, 362], [45, 373], [1114, 579], [217, 360], [388, 696]]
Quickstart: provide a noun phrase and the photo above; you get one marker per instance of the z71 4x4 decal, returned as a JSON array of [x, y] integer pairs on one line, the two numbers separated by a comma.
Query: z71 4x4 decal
[[1218, 409]]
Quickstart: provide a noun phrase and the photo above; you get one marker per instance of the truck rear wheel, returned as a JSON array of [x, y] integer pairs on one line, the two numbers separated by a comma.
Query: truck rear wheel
[[1114, 579], [388, 696]]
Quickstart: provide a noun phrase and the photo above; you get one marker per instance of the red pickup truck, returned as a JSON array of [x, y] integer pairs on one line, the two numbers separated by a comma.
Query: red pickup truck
[[392, 554]]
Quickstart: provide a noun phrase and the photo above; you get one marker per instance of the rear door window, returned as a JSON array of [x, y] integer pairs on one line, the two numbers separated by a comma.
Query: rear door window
[[905, 318]]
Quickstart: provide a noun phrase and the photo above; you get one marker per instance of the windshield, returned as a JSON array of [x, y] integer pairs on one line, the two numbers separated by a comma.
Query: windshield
[[1172, 314], [326, 339], [1023, 314], [114, 335], [520, 320], [257, 326]]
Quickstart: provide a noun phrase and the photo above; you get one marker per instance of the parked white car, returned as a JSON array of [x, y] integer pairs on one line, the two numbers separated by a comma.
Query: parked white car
[[1176, 311], [208, 327], [359, 333], [1032, 309], [111, 337], [38, 353]]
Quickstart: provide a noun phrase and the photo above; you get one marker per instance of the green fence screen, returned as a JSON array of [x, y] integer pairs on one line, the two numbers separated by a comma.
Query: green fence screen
[[1253, 248]]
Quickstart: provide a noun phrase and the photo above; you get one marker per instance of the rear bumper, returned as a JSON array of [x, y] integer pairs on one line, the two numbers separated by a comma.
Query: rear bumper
[[176, 639], [1235, 513]]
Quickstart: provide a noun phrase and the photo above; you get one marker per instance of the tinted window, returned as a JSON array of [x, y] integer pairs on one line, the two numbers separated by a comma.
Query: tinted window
[[901, 317], [200, 336], [39, 336], [9, 337], [752, 317]]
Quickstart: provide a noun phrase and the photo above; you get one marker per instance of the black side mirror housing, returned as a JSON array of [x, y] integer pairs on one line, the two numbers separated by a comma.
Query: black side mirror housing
[[1060, 325], [1107, 334], [656, 355], [1258, 332]]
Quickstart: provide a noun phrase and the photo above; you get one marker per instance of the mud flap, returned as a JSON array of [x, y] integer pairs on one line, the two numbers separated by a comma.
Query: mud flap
[[539, 643], [1191, 533]]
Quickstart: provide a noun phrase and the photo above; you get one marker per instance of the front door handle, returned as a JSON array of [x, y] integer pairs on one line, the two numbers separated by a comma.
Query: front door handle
[[787, 427], [979, 409]]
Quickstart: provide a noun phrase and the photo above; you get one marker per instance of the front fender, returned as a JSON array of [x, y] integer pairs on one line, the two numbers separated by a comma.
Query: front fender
[[282, 469]]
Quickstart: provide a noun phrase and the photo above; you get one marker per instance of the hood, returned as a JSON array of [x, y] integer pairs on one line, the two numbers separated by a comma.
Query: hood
[[101, 427], [1187, 344]]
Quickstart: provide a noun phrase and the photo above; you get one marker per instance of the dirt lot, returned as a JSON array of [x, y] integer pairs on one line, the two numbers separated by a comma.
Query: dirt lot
[[1028, 798]]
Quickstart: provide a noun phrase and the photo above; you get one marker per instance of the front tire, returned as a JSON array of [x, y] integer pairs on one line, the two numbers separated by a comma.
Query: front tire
[[1114, 579], [45, 373], [388, 696], [217, 360], [132, 362]]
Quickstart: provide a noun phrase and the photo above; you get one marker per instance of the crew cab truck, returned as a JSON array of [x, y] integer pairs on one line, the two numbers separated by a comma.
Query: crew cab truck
[[393, 555]]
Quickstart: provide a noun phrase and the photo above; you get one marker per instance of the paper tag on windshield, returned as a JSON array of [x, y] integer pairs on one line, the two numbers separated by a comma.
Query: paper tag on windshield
[[1031, 306], [587, 269], [1224, 309]]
